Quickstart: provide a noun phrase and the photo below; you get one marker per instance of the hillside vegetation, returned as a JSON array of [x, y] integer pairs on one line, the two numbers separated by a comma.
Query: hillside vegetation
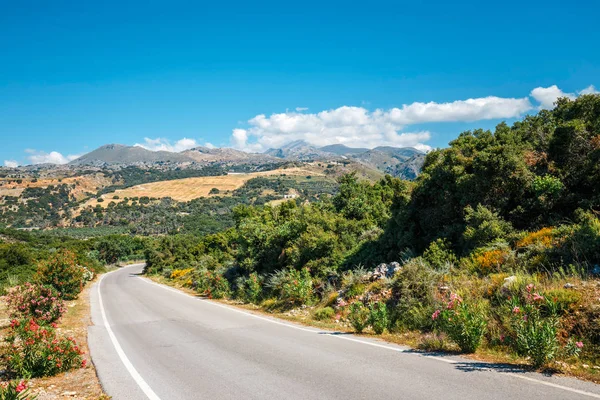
[[496, 246]]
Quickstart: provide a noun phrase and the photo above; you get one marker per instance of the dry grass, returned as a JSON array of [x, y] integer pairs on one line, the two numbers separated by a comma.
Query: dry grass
[[82, 384], [192, 188], [83, 184]]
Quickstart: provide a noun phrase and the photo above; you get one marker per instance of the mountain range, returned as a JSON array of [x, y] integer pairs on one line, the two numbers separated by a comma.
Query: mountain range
[[404, 162]]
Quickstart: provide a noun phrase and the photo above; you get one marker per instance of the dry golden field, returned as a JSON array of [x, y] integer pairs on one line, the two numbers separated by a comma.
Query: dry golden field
[[83, 184], [192, 188]]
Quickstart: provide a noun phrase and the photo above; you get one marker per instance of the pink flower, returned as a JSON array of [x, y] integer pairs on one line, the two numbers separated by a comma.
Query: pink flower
[[579, 345], [529, 287], [516, 310], [537, 296], [435, 315], [20, 387]]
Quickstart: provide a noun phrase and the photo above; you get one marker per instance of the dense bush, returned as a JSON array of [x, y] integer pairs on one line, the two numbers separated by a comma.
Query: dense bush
[[464, 323], [44, 303], [250, 288], [414, 296], [36, 350], [359, 316], [212, 284], [292, 286], [63, 273], [534, 326], [378, 317]]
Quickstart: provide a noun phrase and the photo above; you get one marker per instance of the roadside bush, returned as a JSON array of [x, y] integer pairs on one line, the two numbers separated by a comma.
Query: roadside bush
[[15, 390], [252, 288], [62, 272], [213, 285], [535, 323], [464, 324], [322, 314], [378, 317], [37, 351], [359, 316], [414, 291], [35, 301], [292, 286]]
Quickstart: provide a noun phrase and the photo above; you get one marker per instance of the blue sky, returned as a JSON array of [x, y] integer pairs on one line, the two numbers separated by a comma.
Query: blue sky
[[76, 75]]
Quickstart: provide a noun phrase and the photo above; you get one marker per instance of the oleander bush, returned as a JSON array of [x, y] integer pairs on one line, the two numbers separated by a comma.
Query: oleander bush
[[15, 390], [464, 323], [32, 300], [535, 327], [37, 350]]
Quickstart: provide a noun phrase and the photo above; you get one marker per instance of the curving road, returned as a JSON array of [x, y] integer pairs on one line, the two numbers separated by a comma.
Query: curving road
[[149, 341]]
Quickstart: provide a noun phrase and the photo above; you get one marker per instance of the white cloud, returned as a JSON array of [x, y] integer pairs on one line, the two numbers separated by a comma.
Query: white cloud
[[300, 109], [548, 96], [162, 144], [209, 145], [490, 107], [589, 90], [359, 127], [54, 157], [239, 137], [11, 163]]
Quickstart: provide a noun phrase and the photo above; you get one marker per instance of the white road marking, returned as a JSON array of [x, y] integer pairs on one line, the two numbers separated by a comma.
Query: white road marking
[[130, 368], [393, 348]]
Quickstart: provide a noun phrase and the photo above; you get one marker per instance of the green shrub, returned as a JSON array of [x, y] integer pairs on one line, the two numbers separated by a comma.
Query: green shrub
[[414, 289], [353, 282], [534, 326], [322, 314], [62, 272], [359, 316], [464, 324], [483, 226], [561, 300], [15, 390], [439, 254], [249, 289], [212, 284], [292, 286], [37, 351], [378, 317], [536, 338], [35, 301]]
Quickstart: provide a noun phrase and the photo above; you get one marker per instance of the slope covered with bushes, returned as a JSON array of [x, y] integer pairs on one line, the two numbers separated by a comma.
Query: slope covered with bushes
[[496, 244]]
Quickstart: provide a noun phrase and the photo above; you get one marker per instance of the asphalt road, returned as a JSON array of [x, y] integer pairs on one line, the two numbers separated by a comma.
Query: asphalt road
[[149, 341]]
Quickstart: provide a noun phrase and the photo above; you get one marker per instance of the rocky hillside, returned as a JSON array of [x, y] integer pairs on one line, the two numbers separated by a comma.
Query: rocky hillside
[[129, 155], [401, 162]]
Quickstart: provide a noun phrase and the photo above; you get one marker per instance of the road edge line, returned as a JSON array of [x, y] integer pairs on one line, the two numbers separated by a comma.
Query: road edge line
[[124, 359]]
